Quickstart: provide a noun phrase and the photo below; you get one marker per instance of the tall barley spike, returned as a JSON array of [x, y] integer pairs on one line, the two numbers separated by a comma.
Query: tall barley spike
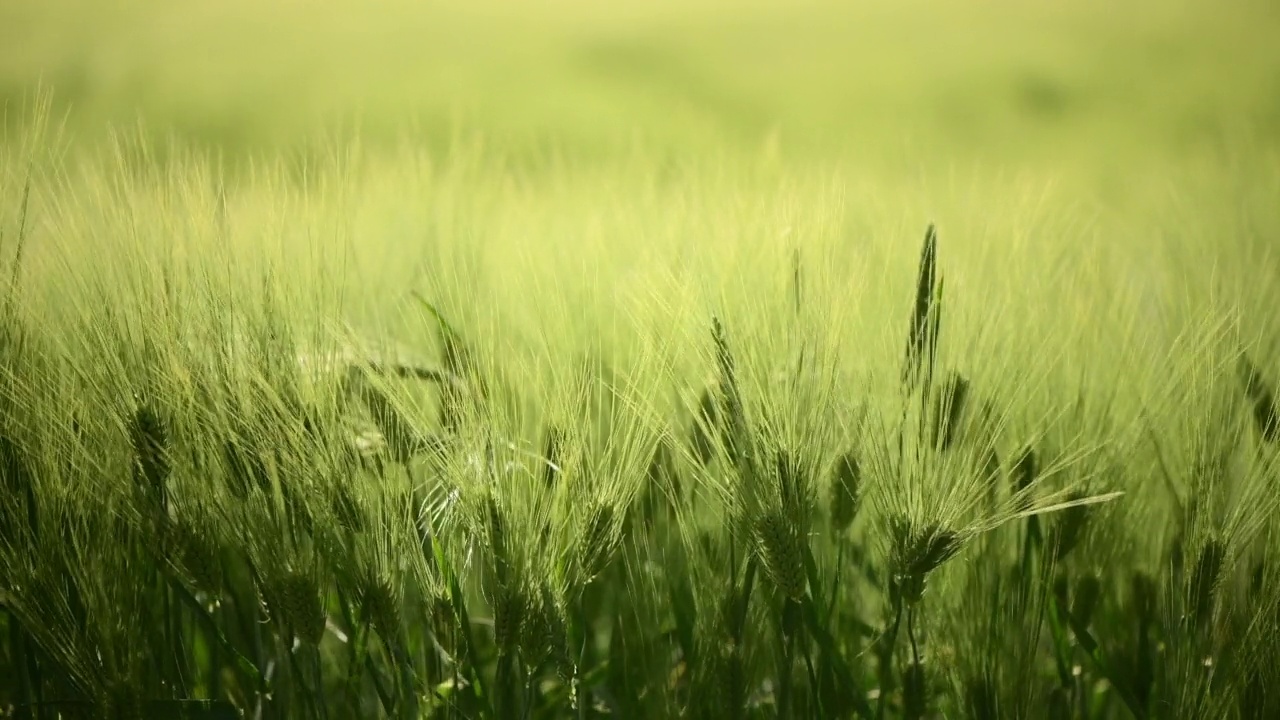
[[245, 470], [459, 362], [845, 491], [922, 337], [195, 555], [1203, 581], [552, 449], [793, 486], [781, 553], [797, 288], [380, 604], [1068, 528], [663, 489], [346, 508], [1266, 416], [1087, 592], [599, 538], [543, 634], [735, 435], [150, 440], [949, 409], [509, 606], [300, 607], [496, 528], [916, 552], [1025, 471], [704, 423], [402, 438]]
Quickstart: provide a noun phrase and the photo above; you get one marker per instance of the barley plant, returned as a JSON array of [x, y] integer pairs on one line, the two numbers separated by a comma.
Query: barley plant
[[463, 432]]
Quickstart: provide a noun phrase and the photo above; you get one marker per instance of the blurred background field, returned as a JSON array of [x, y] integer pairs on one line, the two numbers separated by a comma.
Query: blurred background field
[[1100, 88]]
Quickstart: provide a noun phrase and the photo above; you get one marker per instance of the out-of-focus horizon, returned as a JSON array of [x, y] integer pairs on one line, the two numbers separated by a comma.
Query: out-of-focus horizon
[[1006, 83]]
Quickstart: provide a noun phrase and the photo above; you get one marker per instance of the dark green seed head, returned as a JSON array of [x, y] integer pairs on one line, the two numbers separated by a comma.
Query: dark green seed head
[[792, 485], [782, 554], [597, 543], [552, 448], [1261, 397], [346, 508], [917, 552], [845, 492], [380, 605], [1068, 529], [1087, 592], [1025, 471], [701, 435], [1204, 579], [509, 608], [1061, 590], [949, 409], [300, 608], [1143, 589], [150, 441]]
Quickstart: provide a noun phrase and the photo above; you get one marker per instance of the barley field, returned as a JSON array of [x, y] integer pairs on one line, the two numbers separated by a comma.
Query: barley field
[[886, 359]]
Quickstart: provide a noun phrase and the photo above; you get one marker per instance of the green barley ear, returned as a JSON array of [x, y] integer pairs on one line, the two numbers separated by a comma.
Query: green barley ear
[[509, 609], [460, 363], [599, 539], [402, 438], [793, 487], [663, 480], [1061, 590], [380, 604], [1203, 582], [705, 421], [1266, 417], [1068, 528], [1087, 592], [782, 554], [735, 435], [1143, 589], [544, 635], [552, 448], [196, 557], [300, 607], [845, 491], [150, 440], [916, 552], [496, 530], [1025, 471], [245, 470], [922, 338], [443, 620], [991, 476], [346, 508], [948, 410]]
